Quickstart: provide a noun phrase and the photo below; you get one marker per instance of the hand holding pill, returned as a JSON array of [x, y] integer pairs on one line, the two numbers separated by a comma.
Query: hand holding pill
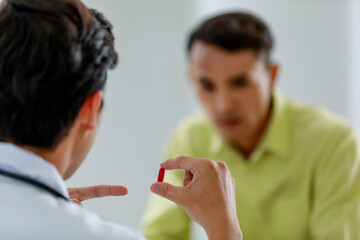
[[208, 195]]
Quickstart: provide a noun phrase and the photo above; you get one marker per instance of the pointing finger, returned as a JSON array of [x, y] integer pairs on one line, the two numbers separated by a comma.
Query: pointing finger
[[98, 191]]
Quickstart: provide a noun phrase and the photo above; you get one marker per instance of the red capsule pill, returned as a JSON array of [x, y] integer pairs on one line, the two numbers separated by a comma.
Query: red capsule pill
[[161, 175]]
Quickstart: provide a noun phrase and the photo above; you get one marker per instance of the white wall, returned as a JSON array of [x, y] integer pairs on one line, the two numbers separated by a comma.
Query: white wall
[[317, 44], [354, 25]]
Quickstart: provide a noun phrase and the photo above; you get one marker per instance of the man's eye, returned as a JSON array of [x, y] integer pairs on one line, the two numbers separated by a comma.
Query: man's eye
[[240, 82], [206, 85]]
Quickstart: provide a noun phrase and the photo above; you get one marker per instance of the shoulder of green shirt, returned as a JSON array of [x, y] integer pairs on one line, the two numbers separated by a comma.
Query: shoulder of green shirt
[[193, 133], [196, 124], [319, 125]]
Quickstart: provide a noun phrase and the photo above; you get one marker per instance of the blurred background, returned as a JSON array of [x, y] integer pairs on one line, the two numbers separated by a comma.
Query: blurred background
[[317, 45]]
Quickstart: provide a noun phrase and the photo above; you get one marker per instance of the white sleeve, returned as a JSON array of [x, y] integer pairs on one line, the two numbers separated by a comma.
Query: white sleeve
[[83, 224], [40, 216]]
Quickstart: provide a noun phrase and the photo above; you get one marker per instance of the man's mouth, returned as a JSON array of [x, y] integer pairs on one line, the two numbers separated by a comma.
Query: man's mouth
[[228, 122]]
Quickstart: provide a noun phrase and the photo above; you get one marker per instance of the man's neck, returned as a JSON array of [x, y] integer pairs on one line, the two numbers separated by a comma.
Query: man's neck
[[247, 146], [57, 157]]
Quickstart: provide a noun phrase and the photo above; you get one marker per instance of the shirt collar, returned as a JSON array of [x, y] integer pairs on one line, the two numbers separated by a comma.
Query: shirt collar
[[276, 137], [25, 163]]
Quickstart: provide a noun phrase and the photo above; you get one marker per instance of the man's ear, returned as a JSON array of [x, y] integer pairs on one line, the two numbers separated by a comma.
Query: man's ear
[[273, 73], [89, 111]]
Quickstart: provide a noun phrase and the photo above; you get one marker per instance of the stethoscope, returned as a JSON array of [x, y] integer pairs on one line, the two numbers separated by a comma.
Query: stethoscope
[[33, 182]]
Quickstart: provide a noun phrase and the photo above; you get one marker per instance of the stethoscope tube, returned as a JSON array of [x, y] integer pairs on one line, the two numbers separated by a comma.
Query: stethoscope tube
[[33, 182]]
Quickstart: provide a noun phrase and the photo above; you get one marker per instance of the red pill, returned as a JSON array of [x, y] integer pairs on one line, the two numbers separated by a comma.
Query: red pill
[[161, 175]]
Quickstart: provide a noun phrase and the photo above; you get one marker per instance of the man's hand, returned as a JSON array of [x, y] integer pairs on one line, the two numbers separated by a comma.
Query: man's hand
[[78, 195], [208, 195]]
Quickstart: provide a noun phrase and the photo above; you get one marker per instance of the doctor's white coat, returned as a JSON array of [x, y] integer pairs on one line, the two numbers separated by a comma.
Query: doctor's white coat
[[29, 212]]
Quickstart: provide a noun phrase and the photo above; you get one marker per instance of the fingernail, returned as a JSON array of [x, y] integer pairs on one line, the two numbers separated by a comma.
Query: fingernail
[[154, 188]]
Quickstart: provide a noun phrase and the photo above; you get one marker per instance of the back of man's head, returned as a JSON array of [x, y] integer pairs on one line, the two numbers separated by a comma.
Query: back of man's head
[[234, 31], [53, 56]]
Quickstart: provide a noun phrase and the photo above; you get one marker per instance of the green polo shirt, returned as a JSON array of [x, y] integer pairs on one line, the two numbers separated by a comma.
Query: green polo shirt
[[302, 181]]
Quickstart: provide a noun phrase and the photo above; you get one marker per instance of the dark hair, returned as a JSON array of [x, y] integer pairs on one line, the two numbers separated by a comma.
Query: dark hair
[[53, 56], [234, 31]]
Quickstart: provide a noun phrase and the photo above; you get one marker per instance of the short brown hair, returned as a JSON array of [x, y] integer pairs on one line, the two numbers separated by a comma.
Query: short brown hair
[[234, 31]]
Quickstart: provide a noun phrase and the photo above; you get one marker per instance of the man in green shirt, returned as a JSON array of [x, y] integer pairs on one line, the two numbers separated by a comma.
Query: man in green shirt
[[296, 168]]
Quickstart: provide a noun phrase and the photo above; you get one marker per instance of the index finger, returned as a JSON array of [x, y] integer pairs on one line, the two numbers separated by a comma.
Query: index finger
[[98, 191], [183, 162]]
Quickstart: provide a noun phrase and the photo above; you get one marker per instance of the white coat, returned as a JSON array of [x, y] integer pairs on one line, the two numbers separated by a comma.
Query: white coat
[[30, 212]]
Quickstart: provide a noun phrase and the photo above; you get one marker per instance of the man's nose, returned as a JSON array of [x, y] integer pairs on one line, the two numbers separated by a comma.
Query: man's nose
[[224, 102]]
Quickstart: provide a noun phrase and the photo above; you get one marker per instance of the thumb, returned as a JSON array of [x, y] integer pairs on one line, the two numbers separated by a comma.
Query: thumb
[[76, 201], [168, 191]]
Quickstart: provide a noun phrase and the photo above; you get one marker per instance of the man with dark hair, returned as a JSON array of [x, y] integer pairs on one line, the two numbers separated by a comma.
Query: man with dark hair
[[296, 168], [54, 57]]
